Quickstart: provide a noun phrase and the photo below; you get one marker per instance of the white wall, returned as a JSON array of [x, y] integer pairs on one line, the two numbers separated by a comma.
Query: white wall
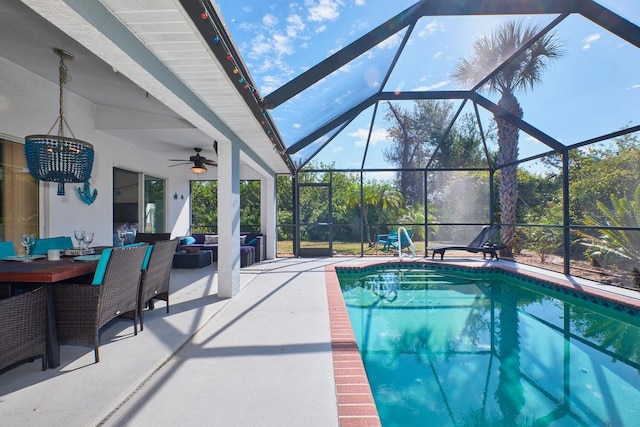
[[29, 105]]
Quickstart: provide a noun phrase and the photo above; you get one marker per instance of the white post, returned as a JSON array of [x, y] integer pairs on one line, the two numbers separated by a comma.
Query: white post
[[228, 219], [268, 214]]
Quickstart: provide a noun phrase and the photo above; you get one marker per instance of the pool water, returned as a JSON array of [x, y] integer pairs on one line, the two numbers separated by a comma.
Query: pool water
[[462, 349]]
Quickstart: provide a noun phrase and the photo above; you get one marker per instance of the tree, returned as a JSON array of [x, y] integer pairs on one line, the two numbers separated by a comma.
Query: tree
[[523, 71], [623, 243], [379, 195]]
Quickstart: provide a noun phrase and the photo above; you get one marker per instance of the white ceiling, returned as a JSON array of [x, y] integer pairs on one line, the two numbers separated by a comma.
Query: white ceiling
[[154, 105]]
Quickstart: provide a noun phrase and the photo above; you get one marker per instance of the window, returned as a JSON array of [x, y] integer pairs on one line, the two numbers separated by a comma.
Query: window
[[18, 194]]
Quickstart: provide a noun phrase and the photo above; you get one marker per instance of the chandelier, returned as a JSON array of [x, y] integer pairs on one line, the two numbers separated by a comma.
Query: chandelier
[[57, 158]]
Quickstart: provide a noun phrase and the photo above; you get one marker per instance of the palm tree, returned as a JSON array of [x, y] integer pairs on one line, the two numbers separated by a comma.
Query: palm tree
[[624, 213], [381, 196], [524, 71]]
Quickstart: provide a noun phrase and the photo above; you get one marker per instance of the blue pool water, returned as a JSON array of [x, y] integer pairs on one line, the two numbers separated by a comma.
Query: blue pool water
[[462, 349]]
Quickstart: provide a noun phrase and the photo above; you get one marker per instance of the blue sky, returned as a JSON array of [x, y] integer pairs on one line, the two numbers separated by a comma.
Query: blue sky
[[593, 89]]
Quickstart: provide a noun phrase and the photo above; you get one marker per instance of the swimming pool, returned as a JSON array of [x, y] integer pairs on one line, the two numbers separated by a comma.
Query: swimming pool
[[453, 347]]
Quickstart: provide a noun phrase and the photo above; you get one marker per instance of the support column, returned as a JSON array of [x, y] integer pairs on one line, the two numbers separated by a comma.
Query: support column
[[268, 214], [228, 219]]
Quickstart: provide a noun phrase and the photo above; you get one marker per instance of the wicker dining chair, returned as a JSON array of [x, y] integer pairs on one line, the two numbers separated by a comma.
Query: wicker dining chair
[[23, 328], [156, 275], [82, 309]]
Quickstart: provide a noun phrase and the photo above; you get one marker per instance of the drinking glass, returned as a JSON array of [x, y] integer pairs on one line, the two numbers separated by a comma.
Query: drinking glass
[[88, 238], [27, 240], [79, 235]]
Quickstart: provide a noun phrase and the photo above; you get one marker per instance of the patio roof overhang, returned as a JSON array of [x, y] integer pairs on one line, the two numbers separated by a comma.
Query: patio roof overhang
[[152, 77]]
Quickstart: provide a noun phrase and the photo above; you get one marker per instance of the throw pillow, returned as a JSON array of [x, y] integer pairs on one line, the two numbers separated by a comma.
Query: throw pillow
[[242, 240], [253, 242], [211, 239], [188, 240]]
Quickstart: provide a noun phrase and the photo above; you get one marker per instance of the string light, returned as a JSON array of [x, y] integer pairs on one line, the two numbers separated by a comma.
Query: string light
[[242, 80]]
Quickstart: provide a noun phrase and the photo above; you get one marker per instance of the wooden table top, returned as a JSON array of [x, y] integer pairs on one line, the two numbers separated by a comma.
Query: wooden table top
[[44, 271]]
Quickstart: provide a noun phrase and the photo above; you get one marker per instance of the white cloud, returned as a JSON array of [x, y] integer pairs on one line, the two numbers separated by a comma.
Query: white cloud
[[590, 39], [437, 55], [433, 86], [270, 20], [321, 29], [430, 29], [323, 10], [391, 42], [360, 2], [360, 136], [282, 44], [295, 25], [635, 87], [337, 149], [260, 46]]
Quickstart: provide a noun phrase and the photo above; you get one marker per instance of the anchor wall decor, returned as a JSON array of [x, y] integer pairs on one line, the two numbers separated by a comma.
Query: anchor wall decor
[[85, 193]]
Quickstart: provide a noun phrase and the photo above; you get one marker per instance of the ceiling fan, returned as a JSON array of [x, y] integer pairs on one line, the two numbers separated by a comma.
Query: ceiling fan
[[198, 161]]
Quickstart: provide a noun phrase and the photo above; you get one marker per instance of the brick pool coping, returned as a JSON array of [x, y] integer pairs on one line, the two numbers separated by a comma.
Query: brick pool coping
[[356, 407]]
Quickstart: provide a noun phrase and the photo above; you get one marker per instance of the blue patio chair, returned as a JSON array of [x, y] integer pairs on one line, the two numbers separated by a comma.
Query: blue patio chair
[[42, 246], [7, 249], [386, 240], [404, 242]]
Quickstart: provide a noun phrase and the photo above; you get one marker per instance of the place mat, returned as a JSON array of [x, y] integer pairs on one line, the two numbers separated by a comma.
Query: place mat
[[87, 258], [22, 258]]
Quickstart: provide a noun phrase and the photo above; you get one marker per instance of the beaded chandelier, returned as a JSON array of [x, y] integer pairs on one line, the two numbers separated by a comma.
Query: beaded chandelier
[[57, 158]]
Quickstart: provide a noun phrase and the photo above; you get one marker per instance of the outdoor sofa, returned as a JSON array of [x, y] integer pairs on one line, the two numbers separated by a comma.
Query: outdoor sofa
[[251, 246]]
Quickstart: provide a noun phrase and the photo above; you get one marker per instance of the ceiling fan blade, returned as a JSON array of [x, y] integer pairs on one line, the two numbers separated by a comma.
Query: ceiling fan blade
[[179, 160], [180, 164], [210, 163]]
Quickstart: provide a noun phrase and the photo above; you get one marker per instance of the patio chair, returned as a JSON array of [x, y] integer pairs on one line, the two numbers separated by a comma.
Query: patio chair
[[82, 309], [481, 244], [7, 249], [23, 328], [156, 275], [386, 240], [404, 241], [42, 246], [151, 238]]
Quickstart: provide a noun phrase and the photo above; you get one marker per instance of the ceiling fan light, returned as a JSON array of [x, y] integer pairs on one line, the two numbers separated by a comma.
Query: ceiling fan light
[[198, 169]]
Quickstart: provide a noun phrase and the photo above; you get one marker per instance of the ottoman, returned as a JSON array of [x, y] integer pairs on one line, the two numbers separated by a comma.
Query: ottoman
[[247, 256], [191, 260]]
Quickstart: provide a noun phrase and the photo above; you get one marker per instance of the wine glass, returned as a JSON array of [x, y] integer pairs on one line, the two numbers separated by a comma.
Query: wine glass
[[27, 240], [88, 238], [79, 235]]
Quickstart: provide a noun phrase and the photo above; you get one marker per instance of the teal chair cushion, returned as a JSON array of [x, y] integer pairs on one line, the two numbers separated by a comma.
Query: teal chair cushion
[[101, 268], [7, 249], [145, 262], [42, 246]]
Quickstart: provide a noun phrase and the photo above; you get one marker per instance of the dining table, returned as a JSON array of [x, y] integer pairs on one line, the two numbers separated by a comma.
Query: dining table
[[42, 271]]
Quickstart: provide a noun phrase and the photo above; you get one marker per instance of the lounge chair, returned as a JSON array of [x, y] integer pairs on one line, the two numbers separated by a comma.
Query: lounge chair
[[481, 244]]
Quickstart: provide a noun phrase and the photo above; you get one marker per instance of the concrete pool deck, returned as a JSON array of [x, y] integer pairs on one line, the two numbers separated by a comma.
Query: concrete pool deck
[[262, 358]]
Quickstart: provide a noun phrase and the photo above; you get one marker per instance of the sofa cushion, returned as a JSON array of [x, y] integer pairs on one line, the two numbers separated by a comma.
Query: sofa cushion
[[211, 239], [187, 240], [199, 237]]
